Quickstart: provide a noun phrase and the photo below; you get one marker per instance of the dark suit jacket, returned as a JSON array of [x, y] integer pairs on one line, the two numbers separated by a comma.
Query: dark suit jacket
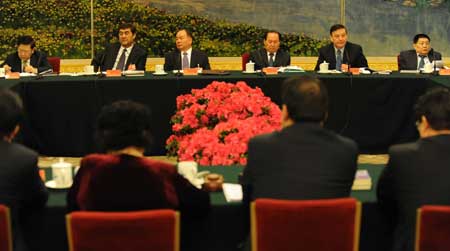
[[143, 183], [21, 189], [106, 59], [408, 59], [38, 60], [302, 161], [417, 174], [353, 55], [172, 60], [259, 57]]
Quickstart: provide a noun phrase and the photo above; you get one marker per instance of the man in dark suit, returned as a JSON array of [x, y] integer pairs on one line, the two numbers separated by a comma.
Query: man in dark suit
[[185, 56], [340, 54], [27, 58], [421, 55], [125, 55], [21, 187], [418, 173], [303, 160], [271, 55]]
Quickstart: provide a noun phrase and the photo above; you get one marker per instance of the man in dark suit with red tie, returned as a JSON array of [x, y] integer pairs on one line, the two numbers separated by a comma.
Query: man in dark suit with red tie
[[125, 55], [271, 55], [341, 54], [422, 54], [27, 58], [185, 56]]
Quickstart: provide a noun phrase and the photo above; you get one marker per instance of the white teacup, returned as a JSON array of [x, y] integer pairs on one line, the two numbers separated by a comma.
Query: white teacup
[[2, 71], [89, 68], [188, 169], [250, 67], [159, 68], [62, 174], [428, 67], [324, 66]]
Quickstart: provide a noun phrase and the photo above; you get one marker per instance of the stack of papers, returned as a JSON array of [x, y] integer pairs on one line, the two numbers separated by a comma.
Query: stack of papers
[[291, 68], [362, 180], [232, 192], [133, 73]]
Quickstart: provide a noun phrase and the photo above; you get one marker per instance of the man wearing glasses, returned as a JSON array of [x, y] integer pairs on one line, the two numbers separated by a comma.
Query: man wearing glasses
[[27, 58], [421, 55]]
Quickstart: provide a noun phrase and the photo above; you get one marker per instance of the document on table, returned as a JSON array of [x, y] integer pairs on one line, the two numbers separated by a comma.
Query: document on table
[[232, 192]]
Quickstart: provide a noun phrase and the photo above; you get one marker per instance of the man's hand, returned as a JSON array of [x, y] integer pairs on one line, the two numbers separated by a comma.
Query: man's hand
[[132, 67], [7, 68], [31, 69]]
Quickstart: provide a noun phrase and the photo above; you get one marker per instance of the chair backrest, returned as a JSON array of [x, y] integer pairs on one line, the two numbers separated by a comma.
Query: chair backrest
[[5, 229], [245, 59], [433, 228], [331, 224], [132, 230], [398, 62], [55, 62]]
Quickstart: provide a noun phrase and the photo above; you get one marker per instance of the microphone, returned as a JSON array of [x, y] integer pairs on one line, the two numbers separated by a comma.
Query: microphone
[[348, 63], [41, 74]]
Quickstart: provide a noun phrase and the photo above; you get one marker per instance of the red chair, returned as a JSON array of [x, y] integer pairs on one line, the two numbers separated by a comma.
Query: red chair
[[245, 59], [5, 229], [55, 62], [125, 231], [317, 225], [398, 62], [433, 228]]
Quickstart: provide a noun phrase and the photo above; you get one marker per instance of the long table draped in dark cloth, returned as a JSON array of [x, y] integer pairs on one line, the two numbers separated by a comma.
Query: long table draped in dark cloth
[[224, 229], [374, 110]]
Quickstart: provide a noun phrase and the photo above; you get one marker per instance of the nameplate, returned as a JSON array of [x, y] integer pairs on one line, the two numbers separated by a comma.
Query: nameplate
[[113, 73], [444, 72], [190, 71], [270, 70], [354, 71], [12, 75]]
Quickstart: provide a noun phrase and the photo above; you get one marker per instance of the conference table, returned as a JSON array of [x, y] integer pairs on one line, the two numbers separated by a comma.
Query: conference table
[[374, 110], [225, 227]]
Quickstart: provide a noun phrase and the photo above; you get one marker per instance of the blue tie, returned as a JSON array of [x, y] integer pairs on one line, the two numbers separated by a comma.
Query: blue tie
[[421, 62], [339, 60]]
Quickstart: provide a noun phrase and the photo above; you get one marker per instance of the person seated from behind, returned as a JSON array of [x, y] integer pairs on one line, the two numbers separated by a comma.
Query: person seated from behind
[[418, 173], [27, 58], [21, 187], [307, 160], [185, 56], [421, 55], [124, 55], [122, 179], [271, 55], [341, 54]]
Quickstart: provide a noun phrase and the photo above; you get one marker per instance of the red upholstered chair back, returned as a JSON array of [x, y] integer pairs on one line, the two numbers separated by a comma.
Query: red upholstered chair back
[[133, 230], [5, 229], [319, 225], [433, 228], [55, 62], [245, 59], [398, 62]]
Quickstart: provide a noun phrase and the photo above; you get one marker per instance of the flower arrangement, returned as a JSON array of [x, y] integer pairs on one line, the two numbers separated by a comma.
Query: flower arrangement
[[213, 125]]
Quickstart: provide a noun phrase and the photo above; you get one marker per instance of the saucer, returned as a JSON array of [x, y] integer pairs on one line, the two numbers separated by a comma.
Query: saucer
[[323, 72], [249, 72], [160, 73], [52, 184]]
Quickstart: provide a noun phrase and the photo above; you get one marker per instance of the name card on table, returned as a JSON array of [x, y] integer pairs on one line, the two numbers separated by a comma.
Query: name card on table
[[113, 73], [444, 72], [354, 71], [190, 71], [270, 70]]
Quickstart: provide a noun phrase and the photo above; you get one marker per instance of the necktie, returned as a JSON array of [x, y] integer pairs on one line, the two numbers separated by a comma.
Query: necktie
[[421, 62], [270, 59], [339, 60], [185, 63], [121, 63], [24, 65]]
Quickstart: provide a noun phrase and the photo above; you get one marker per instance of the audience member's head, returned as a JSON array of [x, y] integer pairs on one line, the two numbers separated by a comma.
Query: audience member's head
[[272, 41], [11, 114], [25, 47], [305, 99], [338, 35], [183, 40], [124, 124], [433, 112], [421, 43], [127, 34]]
